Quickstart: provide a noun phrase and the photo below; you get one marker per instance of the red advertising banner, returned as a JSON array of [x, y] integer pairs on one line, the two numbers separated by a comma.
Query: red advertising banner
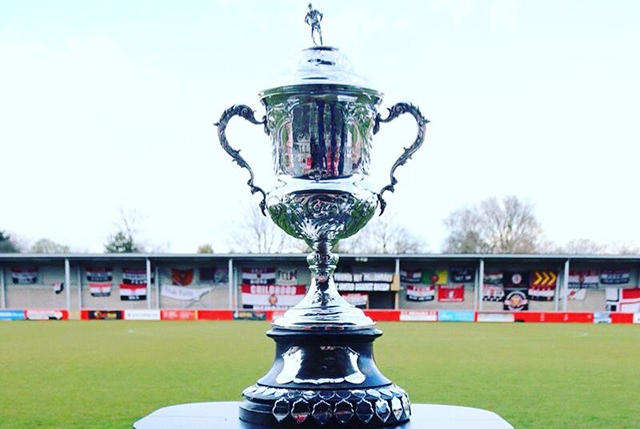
[[215, 314], [178, 315], [102, 314], [383, 315], [621, 317], [553, 317]]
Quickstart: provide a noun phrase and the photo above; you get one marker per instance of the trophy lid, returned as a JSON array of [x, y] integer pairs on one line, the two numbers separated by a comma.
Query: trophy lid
[[324, 66]]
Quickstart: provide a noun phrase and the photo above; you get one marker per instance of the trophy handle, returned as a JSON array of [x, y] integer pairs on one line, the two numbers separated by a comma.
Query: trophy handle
[[395, 111], [247, 113]]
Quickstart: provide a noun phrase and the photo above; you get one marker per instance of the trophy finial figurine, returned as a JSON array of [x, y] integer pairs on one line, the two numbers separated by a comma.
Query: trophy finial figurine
[[313, 18]]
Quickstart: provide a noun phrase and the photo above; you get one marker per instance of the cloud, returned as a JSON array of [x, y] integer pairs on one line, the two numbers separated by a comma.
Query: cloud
[[79, 121]]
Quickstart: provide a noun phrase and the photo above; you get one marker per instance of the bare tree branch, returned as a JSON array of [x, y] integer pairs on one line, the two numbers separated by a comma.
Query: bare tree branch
[[255, 233], [383, 235], [494, 226], [126, 238]]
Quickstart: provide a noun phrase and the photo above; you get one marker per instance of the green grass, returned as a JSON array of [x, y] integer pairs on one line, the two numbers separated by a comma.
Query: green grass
[[100, 374]]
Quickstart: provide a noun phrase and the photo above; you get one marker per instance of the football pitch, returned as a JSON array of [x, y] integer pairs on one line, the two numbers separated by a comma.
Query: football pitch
[[79, 375]]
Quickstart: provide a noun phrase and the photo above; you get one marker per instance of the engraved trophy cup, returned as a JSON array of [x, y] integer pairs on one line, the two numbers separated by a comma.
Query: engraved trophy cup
[[321, 126]]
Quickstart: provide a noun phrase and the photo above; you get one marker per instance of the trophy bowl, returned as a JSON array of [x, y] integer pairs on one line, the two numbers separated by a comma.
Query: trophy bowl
[[321, 123]]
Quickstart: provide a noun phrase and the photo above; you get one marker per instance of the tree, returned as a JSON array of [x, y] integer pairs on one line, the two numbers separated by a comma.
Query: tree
[[625, 249], [494, 226], [256, 233], [465, 232], [205, 248], [44, 245], [125, 240], [121, 243], [383, 235], [7, 245], [583, 246]]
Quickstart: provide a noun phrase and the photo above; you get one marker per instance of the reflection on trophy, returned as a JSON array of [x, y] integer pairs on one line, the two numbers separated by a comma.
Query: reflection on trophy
[[321, 125]]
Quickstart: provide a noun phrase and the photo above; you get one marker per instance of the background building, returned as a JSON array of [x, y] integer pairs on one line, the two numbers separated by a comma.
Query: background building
[[267, 282]]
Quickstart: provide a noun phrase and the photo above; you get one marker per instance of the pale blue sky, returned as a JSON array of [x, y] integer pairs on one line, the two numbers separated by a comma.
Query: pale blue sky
[[111, 103]]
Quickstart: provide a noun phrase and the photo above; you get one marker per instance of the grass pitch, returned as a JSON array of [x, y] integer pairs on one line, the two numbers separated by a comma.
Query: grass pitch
[[80, 375]]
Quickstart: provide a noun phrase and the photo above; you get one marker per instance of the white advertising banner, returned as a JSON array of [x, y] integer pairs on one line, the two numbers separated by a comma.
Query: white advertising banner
[[39, 314], [419, 316], [142, 315], [184, 293], [496, 317]]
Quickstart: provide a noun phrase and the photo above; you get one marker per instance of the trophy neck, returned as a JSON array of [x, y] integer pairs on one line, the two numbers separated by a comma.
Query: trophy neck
[[322, 264]]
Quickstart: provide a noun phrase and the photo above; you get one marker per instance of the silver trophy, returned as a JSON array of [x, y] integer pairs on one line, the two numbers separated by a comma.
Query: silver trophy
[[321, 126]]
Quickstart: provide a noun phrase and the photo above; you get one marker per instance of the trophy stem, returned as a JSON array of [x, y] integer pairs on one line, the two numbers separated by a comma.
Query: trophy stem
[[322, 264], [322, 308]]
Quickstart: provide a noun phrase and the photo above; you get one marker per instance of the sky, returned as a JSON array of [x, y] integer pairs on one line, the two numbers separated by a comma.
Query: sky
[[108, 106]]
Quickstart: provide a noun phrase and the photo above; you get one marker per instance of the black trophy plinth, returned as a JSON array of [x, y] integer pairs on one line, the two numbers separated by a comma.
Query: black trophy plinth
[[324, 378]]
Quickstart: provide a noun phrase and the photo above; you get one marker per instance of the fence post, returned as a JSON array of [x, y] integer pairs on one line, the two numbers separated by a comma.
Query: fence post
[[79, 277], [230, 281], [479, 285], [396, 304]]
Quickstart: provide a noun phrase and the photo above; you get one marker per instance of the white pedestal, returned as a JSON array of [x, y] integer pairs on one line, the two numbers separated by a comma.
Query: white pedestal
[[224, 415]]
